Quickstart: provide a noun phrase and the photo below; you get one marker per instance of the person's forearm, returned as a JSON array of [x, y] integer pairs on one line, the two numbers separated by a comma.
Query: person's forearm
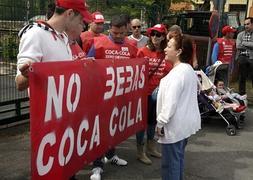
[[239, 43], [248, 44], [22, 82]]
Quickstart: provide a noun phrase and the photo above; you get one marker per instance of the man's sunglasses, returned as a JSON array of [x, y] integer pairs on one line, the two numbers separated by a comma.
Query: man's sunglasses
[[134, 27], [155, 34]]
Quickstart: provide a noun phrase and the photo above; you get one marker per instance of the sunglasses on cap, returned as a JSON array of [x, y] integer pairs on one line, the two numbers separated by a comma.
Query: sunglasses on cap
[[157, 34], [134, 27]]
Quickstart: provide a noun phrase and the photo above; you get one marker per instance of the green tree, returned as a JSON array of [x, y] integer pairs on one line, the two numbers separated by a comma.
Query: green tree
[[151, 10]]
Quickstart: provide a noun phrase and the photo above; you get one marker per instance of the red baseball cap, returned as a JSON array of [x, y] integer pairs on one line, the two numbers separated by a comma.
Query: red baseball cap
[[227, 29], [97, 17], [158, 27], [78, 5]]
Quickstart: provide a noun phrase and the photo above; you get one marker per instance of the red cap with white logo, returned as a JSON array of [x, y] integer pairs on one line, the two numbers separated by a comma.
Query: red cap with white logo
[[78, 5], [227, 29], [97, 17]]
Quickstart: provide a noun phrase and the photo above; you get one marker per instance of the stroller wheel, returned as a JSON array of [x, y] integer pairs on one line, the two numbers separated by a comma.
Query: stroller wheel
[[231, 131]]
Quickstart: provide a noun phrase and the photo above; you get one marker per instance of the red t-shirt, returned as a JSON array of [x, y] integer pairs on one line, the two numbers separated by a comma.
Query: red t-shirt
[[87, 38], [131, 41], [77, 52], [105, 48], [154, 58]]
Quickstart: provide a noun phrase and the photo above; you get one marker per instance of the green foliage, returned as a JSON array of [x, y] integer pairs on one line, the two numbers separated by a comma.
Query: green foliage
[[151, 10], [9, 47]]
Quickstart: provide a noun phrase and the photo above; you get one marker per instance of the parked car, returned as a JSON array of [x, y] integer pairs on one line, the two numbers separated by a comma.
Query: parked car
[[203, 27]]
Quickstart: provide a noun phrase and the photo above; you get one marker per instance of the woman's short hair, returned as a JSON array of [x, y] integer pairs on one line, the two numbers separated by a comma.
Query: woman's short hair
[[186, 44], [175, 28]]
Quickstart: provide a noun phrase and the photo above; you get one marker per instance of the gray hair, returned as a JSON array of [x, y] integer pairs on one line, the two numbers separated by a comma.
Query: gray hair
[[175, 28]]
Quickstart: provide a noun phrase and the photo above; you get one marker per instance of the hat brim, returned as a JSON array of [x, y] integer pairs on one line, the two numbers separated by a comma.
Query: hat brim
[[149, 30], [86, 16], [229, 31], [99, 21]]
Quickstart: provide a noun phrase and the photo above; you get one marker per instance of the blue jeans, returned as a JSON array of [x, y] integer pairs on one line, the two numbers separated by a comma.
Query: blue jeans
[[151, 123], [173, 160]]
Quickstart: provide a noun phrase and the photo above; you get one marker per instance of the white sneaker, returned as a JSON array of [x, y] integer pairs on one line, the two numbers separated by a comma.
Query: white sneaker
[[96, 173], [116, 160]]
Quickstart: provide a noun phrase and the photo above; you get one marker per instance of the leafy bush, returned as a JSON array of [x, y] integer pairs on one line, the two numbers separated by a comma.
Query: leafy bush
[[9, 47]]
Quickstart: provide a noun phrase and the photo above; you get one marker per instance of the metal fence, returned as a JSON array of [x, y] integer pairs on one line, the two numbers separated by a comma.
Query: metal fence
[[14, 14]]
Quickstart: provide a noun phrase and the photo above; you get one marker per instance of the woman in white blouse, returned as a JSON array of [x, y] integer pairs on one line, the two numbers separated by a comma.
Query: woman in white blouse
[[178, 114]]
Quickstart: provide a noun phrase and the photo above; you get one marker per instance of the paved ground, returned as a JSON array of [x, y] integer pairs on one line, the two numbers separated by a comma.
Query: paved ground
[[210, 155]]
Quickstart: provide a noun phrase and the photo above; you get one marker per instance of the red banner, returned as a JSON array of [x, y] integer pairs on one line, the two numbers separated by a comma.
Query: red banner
[[81, 109]]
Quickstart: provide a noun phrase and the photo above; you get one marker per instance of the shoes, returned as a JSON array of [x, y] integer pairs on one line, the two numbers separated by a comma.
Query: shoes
[[152, 149], [141, 155], [96, 173], [116, 160]]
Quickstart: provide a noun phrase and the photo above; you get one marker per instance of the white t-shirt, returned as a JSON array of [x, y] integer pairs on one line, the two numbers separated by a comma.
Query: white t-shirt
[[141, 42], [177, 104], [40, 45]]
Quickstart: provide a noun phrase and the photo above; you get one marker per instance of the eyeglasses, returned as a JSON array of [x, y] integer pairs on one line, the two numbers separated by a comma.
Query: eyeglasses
[[155, 34], [134, 27]]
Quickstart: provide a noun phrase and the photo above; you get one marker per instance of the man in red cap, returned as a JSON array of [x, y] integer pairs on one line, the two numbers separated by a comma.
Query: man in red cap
[[96, 27], [47, 41], [224, 48]]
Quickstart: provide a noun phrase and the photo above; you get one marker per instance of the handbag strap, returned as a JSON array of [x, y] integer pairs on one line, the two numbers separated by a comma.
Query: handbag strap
[[153, 72]]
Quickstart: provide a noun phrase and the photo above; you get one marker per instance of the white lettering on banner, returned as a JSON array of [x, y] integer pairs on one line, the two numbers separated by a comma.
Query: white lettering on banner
[[142, 77], [51, 139], [95, 138], [44, 169], [130, 121], [135, 87], [135, 81], [139, 111], [120, 80], [115, 112], [74, 79], [110, 83], [55, 99], [129, 79], [81, 148], [123, 120], [69, 133]]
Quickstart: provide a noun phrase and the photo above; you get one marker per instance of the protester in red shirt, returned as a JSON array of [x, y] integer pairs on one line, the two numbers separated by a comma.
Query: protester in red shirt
[[112, 46], [224, 48], [96, 28], [158, 68]]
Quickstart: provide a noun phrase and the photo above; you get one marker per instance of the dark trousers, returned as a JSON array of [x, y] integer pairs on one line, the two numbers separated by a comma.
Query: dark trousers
[[245, 70], [99, 163]]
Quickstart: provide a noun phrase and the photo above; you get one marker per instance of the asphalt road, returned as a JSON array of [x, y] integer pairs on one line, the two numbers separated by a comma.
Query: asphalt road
[[210, 155]]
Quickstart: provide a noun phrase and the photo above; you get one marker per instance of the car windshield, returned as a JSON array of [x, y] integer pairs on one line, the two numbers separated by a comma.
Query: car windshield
[[195, 25]]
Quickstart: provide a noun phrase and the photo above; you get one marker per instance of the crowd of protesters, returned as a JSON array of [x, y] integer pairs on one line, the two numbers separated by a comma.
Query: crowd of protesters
[[173, 114]]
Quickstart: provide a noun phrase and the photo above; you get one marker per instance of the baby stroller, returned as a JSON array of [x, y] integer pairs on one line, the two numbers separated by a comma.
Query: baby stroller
[[233, 118]]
